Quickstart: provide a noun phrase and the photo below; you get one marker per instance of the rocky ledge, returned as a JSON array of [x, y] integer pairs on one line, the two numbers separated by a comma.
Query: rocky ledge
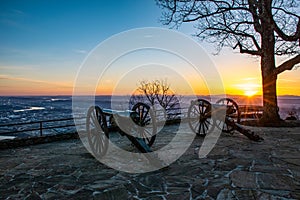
[[236, 168]]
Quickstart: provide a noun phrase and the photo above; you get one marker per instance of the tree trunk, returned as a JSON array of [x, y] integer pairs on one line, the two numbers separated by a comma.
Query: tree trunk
[[269, 78], [270, 114]]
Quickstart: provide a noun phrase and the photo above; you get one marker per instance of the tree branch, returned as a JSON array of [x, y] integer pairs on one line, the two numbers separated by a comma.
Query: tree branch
[[287, 65], [220, 10], [229, 31], [285, 11], [238, 23], [242, 50], [290, 38]]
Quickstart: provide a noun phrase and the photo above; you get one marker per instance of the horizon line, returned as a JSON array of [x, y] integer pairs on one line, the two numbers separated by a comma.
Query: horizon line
[[68, 95]]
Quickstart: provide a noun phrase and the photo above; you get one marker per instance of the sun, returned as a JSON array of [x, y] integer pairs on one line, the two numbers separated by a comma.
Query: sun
[[249, 89], [250, 93]]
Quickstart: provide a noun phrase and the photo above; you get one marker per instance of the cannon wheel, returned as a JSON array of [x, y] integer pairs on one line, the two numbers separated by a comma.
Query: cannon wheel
[[97, 131], [232, 113], [143, 116], [199, 117]]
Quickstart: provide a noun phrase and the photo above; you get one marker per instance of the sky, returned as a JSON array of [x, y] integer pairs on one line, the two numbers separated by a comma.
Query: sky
[[43, 43]]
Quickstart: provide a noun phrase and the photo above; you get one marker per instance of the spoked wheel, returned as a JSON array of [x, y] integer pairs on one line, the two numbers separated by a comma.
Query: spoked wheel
[[199, 117], [143, 117], [233, 114], [97, 131]]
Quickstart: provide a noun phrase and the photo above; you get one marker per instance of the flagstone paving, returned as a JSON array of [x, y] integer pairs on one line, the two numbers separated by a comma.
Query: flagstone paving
[[236, 168]]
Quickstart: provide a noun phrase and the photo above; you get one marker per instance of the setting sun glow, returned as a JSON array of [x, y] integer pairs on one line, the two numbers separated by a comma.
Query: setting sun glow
[[249, 89], [250, 93]]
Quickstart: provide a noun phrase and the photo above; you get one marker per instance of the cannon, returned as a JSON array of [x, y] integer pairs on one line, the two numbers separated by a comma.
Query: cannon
[[137, 124], [203, 117]]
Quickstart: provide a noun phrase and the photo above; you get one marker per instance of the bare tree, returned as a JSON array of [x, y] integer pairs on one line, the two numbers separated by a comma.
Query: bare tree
[[158, 92], [150, 90], [165, 97], [263, 28]]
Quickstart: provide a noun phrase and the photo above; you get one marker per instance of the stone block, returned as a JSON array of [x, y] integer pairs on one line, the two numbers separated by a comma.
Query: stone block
[[243, 179]]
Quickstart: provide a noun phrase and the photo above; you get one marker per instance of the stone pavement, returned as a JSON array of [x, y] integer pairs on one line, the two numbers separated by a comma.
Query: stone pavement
[[236, 168]]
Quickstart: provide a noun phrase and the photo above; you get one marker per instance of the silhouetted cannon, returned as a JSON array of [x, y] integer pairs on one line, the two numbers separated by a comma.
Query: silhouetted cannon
[[138, 125], [203, 117]]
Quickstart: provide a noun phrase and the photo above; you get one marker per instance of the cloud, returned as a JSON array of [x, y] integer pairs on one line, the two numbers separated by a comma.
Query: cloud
[[247, 85], [81, 51], [16, 68], [12, 85], [287, 80], [12, 13], [249, 79], [13, 78], [17, 12], [12, 18]]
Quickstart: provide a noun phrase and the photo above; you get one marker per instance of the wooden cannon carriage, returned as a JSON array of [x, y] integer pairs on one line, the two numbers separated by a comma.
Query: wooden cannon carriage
[[138, 125], [225, 115]]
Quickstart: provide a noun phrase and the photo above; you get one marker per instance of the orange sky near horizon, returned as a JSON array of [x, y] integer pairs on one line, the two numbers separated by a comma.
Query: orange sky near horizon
[[249, 87], [237, 81]]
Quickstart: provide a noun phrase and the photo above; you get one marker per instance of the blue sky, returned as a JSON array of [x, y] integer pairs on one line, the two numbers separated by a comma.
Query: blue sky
[[46, 41], [66, 28], [43, 42]]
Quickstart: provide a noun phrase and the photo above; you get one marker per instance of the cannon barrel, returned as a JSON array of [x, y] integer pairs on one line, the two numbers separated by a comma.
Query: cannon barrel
[[248, 133]]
